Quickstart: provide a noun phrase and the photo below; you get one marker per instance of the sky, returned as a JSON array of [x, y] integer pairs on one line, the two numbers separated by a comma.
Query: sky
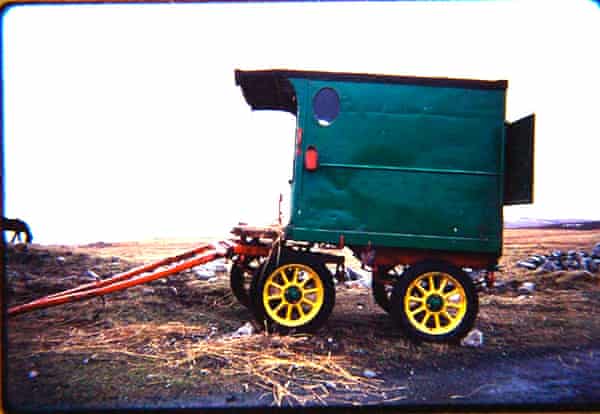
[[123, 122]]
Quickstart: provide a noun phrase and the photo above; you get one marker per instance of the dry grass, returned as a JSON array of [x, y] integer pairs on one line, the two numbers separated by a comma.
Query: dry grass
[[172, 343]]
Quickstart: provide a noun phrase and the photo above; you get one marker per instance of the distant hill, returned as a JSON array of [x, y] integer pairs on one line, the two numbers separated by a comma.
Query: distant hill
[[533, 223]]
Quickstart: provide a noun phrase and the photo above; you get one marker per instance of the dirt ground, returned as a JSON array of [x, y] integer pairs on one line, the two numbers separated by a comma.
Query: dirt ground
[[169, 343]]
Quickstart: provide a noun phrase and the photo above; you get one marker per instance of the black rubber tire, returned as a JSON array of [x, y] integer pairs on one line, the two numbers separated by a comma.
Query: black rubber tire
[[382, 296], [258, 284], [400, 291], [237, 281], [382, 293]]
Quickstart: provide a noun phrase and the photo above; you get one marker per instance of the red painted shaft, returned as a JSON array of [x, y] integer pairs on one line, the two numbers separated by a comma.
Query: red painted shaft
[[122, 281], [135, 271]]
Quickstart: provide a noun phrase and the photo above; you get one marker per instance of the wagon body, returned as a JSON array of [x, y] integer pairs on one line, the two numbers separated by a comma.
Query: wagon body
[[403, 162], [411, 173]]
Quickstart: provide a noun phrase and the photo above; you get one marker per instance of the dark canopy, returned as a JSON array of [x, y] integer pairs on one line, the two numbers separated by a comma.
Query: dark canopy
[[271, 89]]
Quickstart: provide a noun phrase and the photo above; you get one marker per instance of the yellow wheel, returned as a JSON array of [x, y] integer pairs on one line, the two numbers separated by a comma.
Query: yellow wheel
[[294, 296], [435, 301]]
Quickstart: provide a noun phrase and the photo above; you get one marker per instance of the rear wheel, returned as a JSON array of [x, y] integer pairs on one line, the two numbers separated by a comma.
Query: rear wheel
[[382, 292], [435, 301], [293, 294], [240, 279]]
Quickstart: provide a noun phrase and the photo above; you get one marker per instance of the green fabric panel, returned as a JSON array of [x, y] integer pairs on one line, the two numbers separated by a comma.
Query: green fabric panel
[[402, 165]]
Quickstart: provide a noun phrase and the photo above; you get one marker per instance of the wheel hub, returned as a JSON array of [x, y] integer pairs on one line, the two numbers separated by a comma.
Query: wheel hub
[[435, 303], [293, 294]]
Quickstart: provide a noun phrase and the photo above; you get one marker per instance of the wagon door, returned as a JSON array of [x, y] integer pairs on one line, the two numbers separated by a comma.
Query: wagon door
[[518, 165]]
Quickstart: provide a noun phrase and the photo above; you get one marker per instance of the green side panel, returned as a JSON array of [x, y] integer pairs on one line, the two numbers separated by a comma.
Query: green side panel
[[402, 165]]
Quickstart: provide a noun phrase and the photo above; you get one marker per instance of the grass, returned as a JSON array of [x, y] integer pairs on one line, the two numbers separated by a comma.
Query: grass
[[171, 340]]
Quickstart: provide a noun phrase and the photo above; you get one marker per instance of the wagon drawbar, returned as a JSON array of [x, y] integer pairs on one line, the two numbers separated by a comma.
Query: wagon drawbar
[[410, 173]]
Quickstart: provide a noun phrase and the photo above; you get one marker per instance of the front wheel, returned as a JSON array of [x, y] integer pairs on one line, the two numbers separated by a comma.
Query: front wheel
[[435, 301], [293, 294]]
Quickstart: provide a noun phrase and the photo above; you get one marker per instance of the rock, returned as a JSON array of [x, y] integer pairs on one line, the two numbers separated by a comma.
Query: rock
[[549, 266], [32, 374], [204, 274], [60, 260], [500, 286], [526, 265], [244, 330], [537, 259], [330, 385], [367, 373], [589, 265], [360, 306], [90, 274], [526, 288], [351, 274], [333, 346], [473, 339]]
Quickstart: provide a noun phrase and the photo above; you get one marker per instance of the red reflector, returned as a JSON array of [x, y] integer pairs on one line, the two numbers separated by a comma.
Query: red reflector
[[311, 159]]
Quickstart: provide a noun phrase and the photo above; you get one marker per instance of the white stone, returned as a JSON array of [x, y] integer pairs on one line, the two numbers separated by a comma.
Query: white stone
[[244, 330], [369, 373], [473, 339]]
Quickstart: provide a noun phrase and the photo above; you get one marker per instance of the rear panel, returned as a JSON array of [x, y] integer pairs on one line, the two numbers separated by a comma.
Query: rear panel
[[401, 165]]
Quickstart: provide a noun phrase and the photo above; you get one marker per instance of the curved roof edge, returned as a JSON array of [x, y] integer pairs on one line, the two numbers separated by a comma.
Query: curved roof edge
[[271, 89], [267, 90]]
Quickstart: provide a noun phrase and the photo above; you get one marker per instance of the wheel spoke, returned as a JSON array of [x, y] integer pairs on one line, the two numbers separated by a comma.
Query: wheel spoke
[[272, 297], [309, 291], [447, 316], [420, 288], [300, 311], [277, 285], [453, 292], [426, 319], [431, 284], [295, 275], [288, 314], [279, 307], [286, 281], [443, 285], [454, 305], [309, 302], [417, 310], [416, 298], [436, 319], [308, 276]]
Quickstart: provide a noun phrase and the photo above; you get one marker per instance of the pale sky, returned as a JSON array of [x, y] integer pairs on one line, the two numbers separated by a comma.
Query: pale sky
[[123, 122]]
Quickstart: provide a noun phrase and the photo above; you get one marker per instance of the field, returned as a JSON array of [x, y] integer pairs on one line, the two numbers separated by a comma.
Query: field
[[170, 344]]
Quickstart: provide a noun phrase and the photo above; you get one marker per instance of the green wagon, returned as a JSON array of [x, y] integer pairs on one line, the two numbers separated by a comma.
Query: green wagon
[[410, 173]]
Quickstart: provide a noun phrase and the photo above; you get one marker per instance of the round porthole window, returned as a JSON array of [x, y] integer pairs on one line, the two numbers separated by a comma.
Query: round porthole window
[[326, 106]]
